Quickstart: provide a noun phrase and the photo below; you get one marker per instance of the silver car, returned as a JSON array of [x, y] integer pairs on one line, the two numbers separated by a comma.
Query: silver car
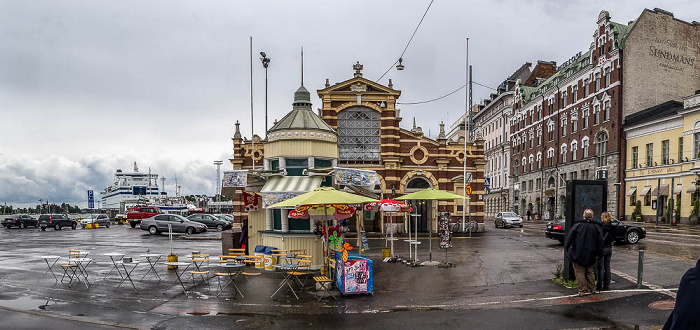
[[159, 223], [507, 219], [100, 219]]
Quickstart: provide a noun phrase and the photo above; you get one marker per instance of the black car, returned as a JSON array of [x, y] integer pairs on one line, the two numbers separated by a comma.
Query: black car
[[623, 232], [57, 221], [19, 220], [211, 221]]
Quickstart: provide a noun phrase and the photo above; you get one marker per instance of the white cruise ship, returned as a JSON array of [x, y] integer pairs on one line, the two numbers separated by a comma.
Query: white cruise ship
[[130, 188]]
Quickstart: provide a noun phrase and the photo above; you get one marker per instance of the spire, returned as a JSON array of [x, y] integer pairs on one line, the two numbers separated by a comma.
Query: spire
[[414, 122], [302, 66], [237, 135]]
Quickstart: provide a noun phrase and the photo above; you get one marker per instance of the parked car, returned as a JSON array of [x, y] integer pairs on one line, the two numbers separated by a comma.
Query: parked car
[[19, 220], [100, 219], [57, 221], [507, 219], [136, 215], [211, 221], [226, 217], [623, 232], [159, 223]]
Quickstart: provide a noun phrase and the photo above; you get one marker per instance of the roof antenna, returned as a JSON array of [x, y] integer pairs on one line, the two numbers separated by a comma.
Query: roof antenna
[[302, 66]]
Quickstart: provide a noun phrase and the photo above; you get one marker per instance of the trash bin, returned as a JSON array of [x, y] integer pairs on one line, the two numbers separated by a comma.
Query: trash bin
[[270, 261], [260, 251]]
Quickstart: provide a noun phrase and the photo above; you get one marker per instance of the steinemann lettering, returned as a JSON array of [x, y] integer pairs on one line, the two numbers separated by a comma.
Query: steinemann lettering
[[671, 56]]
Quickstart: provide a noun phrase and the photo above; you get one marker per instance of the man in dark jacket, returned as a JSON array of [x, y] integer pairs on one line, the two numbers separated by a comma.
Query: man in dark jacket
[[686, 313], [585, 245]]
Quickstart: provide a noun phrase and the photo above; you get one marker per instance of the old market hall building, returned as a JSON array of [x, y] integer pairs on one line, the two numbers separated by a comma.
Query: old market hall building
[[358, 127], [570, 126]]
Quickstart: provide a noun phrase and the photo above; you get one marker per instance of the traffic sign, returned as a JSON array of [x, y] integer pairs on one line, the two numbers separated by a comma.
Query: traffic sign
[[469, 189], [91, 200]]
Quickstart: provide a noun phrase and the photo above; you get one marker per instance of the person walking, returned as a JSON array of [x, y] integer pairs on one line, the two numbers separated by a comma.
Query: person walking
[[584, 245], [603, 263], [686, 312]]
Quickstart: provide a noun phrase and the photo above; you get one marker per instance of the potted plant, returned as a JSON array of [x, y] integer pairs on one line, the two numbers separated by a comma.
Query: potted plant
[[637, 213], [694, 213]]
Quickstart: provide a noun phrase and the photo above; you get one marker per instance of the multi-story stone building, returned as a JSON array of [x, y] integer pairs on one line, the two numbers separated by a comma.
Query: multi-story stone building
[[569, 126], [362, 115], [491, 119]]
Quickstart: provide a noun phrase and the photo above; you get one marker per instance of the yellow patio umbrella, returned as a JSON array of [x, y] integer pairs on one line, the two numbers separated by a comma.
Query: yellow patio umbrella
[[323, 196], [434, 195]]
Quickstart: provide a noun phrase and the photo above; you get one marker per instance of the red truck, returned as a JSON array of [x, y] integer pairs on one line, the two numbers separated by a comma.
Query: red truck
[[137, 214]]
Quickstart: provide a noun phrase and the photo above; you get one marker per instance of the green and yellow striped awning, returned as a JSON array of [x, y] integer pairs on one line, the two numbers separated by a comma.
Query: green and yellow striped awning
[[302, 184]]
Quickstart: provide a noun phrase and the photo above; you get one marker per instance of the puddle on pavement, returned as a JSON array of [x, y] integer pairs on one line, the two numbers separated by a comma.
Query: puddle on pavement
[[29, 303]]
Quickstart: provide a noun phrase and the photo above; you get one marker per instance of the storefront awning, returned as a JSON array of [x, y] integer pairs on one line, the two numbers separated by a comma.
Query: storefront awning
[[645, 191], [678, 189], [631, 191], [693, 188], [282, 188], [662, 192]]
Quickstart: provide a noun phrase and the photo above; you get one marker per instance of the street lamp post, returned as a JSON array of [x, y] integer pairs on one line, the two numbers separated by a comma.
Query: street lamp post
[[265, 63]]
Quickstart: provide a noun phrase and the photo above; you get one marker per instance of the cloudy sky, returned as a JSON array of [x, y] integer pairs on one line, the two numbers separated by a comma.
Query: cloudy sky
[[87, 87]]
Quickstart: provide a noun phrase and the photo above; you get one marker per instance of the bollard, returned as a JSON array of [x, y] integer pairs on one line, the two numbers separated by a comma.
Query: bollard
[[640, 269]]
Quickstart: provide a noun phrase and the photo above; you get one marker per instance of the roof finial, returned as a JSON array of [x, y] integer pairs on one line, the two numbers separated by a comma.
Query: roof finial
[[237, 135], [358, 69]]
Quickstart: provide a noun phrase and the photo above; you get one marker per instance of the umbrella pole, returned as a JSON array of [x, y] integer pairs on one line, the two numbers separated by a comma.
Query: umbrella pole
[[430, 238]]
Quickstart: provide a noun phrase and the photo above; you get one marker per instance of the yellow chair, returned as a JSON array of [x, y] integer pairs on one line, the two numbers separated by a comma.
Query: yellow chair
[[199, 261]]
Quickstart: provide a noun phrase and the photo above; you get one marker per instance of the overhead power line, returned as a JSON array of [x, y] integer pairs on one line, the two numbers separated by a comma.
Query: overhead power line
[[446, 95], [409, 40]]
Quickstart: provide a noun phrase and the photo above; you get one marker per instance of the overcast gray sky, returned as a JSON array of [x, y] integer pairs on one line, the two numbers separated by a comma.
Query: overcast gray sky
[[87, 87]]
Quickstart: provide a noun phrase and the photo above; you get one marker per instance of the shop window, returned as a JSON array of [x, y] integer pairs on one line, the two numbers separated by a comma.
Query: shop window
[[323, 163], [647, 199], [633, 200]]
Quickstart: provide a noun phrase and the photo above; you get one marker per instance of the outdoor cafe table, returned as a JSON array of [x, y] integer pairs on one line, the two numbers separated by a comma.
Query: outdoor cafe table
[[180, 265], [288, 269], [54, 261], [232, 270], [127, 273], [114, 257], [82, 264], [152, 263]]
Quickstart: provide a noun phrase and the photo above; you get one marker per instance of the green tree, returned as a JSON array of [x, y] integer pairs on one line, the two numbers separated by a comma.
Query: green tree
[[677, 217]]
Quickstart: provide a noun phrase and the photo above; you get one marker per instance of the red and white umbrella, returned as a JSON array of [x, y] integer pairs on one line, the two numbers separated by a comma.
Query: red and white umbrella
[[337, 211], [388, 205]]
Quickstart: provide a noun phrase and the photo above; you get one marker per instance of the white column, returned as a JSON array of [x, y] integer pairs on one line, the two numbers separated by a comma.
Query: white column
[[335, 162], [283, 163], [311, 162], [269, 220], [312, 225], [285, 220], [266, 164]]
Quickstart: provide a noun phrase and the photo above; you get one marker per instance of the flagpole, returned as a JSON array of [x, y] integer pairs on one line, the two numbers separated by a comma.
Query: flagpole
[[252, 127], [464, 174]]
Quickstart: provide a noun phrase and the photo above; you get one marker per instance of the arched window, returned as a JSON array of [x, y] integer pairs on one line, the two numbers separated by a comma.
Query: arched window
[[563, 153], [358, 134], [574, 146], [418, 183], [601, 141]]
